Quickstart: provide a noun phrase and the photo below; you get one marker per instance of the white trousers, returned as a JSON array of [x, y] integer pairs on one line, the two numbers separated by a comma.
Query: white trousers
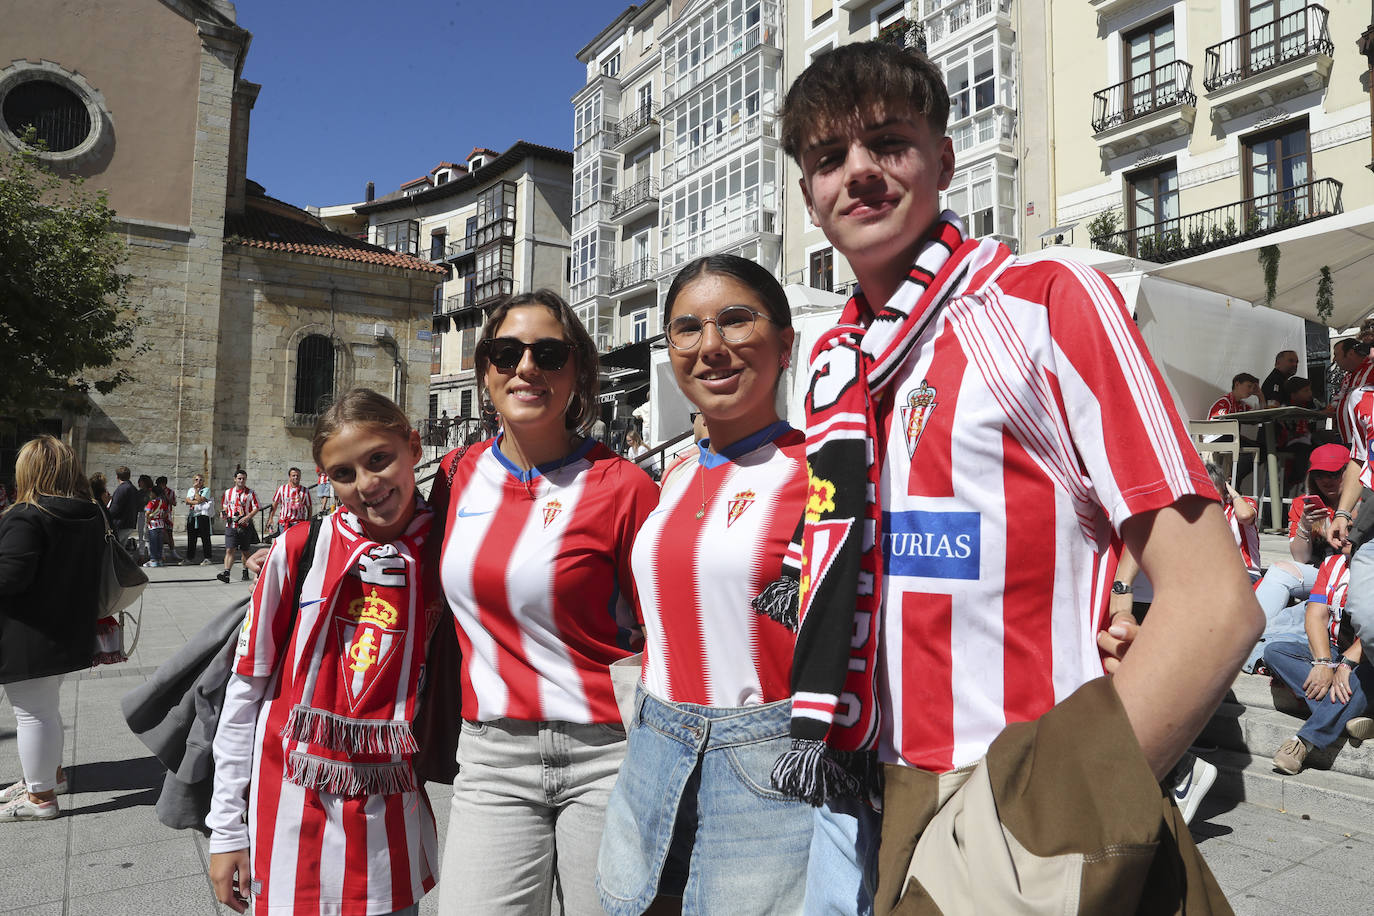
[[38, 713]]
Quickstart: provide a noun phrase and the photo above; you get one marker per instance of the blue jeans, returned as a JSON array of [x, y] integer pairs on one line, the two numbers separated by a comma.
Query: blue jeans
[[1292, 662], [528, 806], [155, 544], [695, 813], [1282, 619], [843, 873]]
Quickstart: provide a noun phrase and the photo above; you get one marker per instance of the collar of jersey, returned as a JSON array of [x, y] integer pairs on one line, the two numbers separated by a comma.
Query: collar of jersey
[[709, 459], [541, 469]]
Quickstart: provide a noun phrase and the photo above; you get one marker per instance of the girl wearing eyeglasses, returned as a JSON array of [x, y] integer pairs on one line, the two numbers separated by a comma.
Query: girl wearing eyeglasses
[[694, 814], [536, 567]]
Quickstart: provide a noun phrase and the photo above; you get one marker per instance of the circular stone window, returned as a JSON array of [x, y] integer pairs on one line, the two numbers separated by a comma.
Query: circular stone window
[[66, 114], [58, 117]]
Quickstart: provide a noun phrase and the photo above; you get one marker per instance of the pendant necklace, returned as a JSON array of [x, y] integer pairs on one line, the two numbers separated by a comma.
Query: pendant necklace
[[701, 486]]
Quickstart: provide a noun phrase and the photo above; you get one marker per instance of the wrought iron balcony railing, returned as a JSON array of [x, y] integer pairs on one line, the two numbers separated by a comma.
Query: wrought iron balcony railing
[[1300, 34], [1195, 233], [642, 191], [1161, 88], [634, 273], [636, 120]]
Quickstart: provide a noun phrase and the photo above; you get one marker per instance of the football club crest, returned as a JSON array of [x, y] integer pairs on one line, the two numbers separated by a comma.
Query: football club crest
[[737, 504], [551, 510], [365, 629], [919, 406]]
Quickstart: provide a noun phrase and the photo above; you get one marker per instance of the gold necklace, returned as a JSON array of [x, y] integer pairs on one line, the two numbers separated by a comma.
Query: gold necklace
[[701, 486]]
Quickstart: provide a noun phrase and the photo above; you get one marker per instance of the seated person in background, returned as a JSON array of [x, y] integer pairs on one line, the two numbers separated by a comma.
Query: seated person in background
[[1273, 387], [1241, 513], [1295, 436], [1351, 358], [1292, 580], [1239, 399], [1328, 669]]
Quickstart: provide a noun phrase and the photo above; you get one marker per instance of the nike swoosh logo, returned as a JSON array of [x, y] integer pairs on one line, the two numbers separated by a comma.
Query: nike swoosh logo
[[306, 604], [1182, 791], [469, 513], [656, 512]]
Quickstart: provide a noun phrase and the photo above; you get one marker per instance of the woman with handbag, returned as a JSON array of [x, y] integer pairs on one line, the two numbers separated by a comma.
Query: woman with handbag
[[536, 567], [51, 545]]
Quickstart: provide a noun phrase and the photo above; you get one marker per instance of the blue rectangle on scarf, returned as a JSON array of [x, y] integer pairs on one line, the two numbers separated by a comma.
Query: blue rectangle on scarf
[[935, 545]]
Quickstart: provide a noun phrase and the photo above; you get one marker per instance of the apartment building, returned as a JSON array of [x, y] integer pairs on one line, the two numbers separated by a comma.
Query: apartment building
[[499, 223], [974, 42], [1182, 128]]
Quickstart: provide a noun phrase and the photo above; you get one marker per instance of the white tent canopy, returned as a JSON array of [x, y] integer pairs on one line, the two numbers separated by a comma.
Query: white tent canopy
[[1343, 242]]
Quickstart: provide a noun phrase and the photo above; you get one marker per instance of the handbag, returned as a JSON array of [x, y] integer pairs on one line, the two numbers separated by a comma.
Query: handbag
[[247, 535], [121, 584]]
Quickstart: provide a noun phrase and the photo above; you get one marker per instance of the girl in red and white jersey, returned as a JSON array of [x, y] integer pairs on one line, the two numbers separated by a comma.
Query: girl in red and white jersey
[[314, 740], [536, 567], [158, 513], [1241, 513], [714, 710]]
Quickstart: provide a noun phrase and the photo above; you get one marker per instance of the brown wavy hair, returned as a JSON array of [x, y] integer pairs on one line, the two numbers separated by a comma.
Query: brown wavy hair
[[857, 80], [587, 366], [359, 407]]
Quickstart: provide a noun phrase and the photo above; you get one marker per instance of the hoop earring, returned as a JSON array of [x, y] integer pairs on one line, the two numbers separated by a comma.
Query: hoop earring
[[785, 362]]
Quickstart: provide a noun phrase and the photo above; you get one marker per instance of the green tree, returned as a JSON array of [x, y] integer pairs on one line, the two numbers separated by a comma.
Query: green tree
[[65, 313]]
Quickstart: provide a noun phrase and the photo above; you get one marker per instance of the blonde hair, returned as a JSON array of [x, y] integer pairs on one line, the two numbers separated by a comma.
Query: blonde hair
[[47, 466], [359, 407]]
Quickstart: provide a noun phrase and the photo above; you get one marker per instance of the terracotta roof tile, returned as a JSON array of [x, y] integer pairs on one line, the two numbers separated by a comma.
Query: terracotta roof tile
[[262, 225]]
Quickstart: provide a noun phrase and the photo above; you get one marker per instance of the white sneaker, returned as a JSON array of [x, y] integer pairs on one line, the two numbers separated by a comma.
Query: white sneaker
[[1188, 794], [152, 564], [10, 793], [21, 809]]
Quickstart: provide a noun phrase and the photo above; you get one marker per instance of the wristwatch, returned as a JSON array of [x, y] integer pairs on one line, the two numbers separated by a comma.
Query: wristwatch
[[1348, 663], [1121, 588]]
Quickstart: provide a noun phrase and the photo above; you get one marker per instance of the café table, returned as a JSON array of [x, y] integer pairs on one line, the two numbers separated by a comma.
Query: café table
[[1268, 419]]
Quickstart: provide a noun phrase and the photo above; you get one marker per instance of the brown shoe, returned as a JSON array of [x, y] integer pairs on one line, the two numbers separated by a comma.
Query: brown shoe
[[1361, 728], [1290, 757]]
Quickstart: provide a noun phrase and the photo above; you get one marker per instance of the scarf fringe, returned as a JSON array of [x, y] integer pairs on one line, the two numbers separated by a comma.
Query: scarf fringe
[[342, 777], [780, 600], [350, 736], [815, 773]]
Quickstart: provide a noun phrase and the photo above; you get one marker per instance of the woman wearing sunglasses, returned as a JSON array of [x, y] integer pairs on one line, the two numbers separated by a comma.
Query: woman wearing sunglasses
[[694, 814], [536, 567]]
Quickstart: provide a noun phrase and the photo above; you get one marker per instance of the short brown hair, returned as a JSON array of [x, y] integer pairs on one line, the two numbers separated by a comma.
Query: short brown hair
[[857, 79], [47, 466], [586, 386], [358, 407]]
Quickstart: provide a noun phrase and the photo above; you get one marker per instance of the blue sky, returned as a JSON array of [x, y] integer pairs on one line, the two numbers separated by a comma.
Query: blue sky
[[354, 91]]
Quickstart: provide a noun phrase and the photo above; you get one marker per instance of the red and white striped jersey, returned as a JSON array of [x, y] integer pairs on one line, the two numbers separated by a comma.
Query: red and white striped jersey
[[158, 512], [695, 575], [1362, 433], [1333, 581], [238, 502], [1226, 404], [292, 502], [314, 851], [536, 566], [1347, 400], [1247, 538], [1027, 425]]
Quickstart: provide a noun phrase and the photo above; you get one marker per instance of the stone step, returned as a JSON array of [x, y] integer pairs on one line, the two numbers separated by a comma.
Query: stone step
[[1332, 797], [1258, 731]]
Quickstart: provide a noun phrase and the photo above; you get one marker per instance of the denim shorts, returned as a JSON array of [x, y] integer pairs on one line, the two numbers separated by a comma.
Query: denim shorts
[[694, 813]]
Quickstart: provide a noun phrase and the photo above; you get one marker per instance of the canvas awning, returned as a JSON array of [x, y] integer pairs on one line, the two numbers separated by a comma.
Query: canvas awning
[[1343, 242]]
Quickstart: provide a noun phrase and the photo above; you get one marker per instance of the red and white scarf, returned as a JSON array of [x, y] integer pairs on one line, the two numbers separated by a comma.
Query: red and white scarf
[[838, 579], [353, 704]]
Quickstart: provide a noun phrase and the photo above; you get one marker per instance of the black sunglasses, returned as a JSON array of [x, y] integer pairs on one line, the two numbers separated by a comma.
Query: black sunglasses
[[505, 353]]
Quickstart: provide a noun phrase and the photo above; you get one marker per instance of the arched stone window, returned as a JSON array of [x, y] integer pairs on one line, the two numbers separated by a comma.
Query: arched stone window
[[314, 374]]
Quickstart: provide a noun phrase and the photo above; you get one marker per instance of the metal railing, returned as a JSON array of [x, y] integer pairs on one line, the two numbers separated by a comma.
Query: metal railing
[[460, 247], [455, 303], [642, 191], [633, 122], [1301, 33], [1206, 230], [1163, 87], [634, 273]]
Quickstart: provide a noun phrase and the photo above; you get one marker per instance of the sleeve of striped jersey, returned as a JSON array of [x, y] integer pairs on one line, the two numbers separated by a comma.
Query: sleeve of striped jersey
[[1322, 587], [252, 502], [264, 629], [1359, 429], [1120, 415], [233, 754], [638, 497]]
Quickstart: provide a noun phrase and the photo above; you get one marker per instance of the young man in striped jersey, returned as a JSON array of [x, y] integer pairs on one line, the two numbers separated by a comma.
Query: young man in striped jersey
[[981, 429], [290, 504]]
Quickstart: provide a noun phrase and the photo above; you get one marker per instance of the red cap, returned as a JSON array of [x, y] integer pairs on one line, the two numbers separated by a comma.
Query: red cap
[[1329, 458]]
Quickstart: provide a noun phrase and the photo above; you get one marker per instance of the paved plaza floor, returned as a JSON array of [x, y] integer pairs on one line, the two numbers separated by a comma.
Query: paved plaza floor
[[107, 854]]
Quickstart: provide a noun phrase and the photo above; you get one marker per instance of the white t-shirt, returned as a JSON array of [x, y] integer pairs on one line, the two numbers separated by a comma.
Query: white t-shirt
[[206, 508]]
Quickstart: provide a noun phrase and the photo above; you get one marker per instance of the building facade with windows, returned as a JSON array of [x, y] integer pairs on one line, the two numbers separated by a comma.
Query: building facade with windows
[[1190, 126], [497, 223], [974, 42], [254, 313]]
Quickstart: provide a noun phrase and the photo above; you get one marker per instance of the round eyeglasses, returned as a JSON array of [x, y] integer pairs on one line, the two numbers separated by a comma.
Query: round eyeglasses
[[734, 323]]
